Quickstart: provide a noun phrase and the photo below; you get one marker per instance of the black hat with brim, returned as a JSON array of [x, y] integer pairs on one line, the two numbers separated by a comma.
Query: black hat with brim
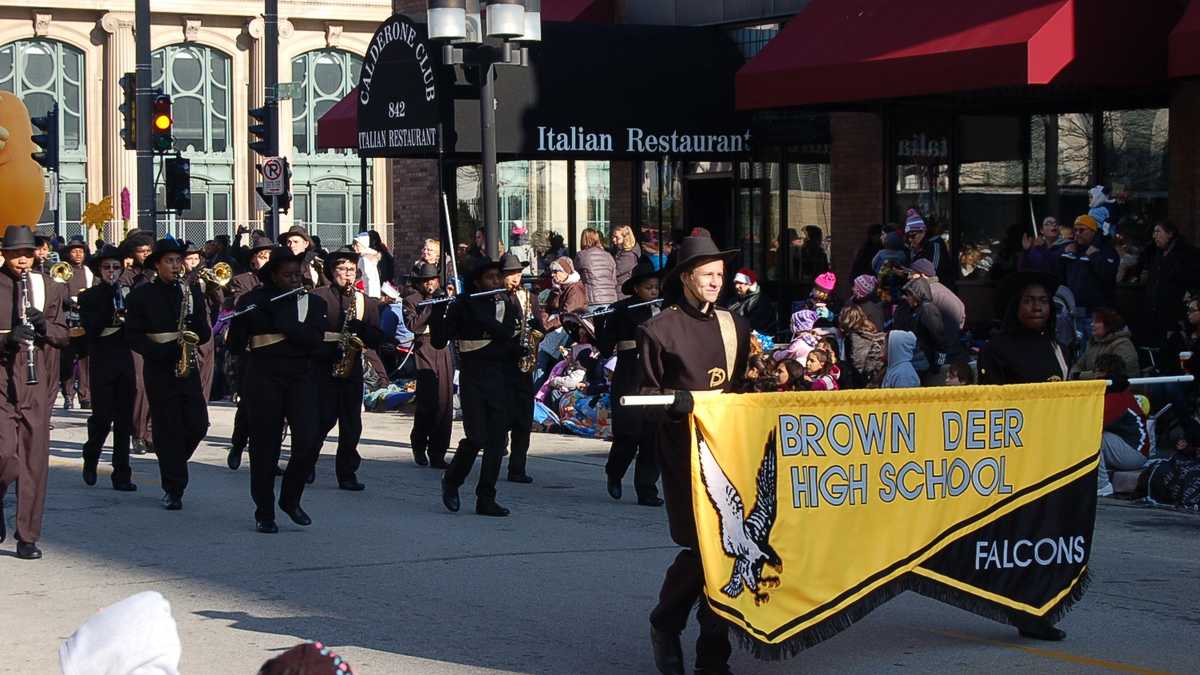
[[696, 251], [297, 230], [190, 247], [163, 247], [279, 255], [261, 244], [424, 272], [75, 242], [17, 237], [332, 258], [643, 271], [511, 263], [108, 252]]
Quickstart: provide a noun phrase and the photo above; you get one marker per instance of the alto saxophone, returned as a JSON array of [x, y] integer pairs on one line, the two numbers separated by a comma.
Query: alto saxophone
[[350, 346], [531, 338], [187, 339], [31, 376]]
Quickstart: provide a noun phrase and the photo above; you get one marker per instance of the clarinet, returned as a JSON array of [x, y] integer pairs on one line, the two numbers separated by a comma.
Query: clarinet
[[23, 314]]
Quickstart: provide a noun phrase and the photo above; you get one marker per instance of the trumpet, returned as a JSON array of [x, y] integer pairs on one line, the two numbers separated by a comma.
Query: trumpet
[[219, 274], [61, 272]]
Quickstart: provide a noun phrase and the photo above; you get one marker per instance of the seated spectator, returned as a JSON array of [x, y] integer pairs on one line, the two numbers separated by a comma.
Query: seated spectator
[[752, 304], [864, 347], [308, 658], [789, 376], [1125, 443], [1109, 336], [866, 296], [820, 371], [900, 373], [1025, 350]]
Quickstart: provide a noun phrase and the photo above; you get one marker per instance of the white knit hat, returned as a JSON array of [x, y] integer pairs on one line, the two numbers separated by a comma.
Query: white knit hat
[[136, 636]]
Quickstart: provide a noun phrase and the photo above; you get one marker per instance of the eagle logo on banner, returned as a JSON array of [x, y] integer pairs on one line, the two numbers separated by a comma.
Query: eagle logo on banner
[[745, 538]]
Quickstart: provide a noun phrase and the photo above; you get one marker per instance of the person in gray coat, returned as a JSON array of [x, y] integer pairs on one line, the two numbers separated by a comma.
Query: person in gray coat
[[597, 269], [626, 252]]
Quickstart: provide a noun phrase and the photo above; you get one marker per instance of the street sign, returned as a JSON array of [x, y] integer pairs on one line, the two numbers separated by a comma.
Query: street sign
[[289, 90], [273, 178]]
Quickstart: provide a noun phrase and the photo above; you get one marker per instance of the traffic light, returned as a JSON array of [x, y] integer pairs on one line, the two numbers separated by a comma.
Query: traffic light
[[129, 111], [47, 140], [161, 124], [260, 133], [178, 183]]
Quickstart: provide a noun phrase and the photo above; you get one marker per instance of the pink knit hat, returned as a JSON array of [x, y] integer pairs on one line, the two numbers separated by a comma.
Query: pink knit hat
[[826, 281], [864, 285]]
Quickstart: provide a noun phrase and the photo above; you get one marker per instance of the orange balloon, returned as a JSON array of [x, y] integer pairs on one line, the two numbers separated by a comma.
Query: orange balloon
[[22, 189]]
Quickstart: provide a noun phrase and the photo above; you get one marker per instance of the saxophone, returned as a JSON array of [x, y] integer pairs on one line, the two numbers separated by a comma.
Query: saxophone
[[531, 338], [187, 339], [350, 346]]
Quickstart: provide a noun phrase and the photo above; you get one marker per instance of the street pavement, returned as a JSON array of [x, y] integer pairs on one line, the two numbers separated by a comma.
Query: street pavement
[[396, 584]]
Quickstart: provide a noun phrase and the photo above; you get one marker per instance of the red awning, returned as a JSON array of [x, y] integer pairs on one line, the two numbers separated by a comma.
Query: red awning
[[586, 11], [1183, 46], [855, 50], [337, 129]]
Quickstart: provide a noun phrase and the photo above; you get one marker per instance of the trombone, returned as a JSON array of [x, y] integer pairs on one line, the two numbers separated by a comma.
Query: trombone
[[219, 274], [61, 272]]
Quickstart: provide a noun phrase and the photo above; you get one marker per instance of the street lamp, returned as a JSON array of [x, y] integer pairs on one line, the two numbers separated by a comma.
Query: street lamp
[[509, 24]]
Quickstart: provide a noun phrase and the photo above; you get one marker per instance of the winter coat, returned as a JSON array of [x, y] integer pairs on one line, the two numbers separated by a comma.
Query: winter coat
[[864, 351], [598, 271], [625, 261], [758, 310], [1093, 279], [926, 322], [1117, 342], [565, 299], [873, 309], [1020, 356], [900, 374], [1171, 274], [934, 250], [1043, 258], [954, 312], [893, 252]]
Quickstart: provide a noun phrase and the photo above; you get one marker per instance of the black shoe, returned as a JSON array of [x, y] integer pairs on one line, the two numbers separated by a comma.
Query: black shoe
[[278, 471], [149, 445], [67, 403], [266, 527], [1040, 630], [520, 478], [172, 502], [439, 463], [234, 459], [668, 653], [297, 515], [420, 458], [85, 404], [89, 473], [124, 486], [28, 551], [352, 485], [490, 508], [450, 497], [614, 488], [650, 501], [312, 477], [138, 447], [716, 670]]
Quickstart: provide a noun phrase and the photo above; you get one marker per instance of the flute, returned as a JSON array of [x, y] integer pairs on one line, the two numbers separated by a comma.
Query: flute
[[281, 296], [451, 298], [610, 310]]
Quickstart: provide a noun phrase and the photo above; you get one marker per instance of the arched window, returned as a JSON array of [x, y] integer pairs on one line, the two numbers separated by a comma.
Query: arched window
[[326, 185], [42, 73], [197, 78]]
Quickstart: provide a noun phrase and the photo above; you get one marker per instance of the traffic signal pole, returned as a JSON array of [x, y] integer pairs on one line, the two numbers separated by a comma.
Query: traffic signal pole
[[147, 217], [271, 55]]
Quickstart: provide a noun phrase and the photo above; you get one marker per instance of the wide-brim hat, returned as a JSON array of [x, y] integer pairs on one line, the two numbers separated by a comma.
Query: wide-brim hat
[[134, 240], [511, 263], [696, 251], [18, 237], [424, 272], [298, 230], [108, 252], [261, 244], [190, 247], [279, 255], [641, 272], [75, 242], [331, 260], [163, 247]]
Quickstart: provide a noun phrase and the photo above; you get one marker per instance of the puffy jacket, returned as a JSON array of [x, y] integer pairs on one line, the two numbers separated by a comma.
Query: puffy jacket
[[565, 299], [1092, 278], [626, 261], [1117, 342], [599, 273]]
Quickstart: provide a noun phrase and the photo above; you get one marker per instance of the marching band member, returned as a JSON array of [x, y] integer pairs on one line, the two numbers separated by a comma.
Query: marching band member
[[214, 299], [486, 331], [279, 341], [351, 325], [136, 248], [430, 437], [165, 323], [102, 315], [633, 430], [75, 353], [28, 323], [240, 285], [522, 391], [298, 241], [690, 346]]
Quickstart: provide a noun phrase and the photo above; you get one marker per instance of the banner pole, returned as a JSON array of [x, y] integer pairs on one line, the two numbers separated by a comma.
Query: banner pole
[[1164, 379]]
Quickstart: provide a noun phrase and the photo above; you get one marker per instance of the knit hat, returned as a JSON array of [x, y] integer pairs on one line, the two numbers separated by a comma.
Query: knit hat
[[799, 350], [1088, 222], [310, 657], [914, 222], [923, 267], [803, 321], [864, 286], [826, 281], [135, 635], [563, 264], [745, 276]]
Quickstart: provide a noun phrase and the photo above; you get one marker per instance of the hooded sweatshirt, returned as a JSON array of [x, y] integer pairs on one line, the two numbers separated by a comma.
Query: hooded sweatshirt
[[927, 323], [900, 374]]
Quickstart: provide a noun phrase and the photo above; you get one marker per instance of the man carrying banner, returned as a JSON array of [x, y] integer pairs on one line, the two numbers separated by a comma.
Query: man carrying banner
[[690, 346]]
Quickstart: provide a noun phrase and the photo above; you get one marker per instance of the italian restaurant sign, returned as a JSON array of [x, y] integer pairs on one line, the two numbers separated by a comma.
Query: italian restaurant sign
[[398, 106]]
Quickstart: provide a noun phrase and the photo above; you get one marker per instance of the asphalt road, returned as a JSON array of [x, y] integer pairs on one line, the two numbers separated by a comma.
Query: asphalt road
[[396, 584]]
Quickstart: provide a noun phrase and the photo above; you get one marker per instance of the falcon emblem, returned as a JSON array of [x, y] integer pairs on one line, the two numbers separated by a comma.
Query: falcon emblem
[[745, 538]]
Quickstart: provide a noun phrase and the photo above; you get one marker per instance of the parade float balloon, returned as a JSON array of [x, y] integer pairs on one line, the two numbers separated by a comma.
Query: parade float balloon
[[22, 189]]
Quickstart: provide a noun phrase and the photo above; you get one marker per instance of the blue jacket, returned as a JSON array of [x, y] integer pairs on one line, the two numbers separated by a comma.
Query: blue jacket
[[1093, 279]]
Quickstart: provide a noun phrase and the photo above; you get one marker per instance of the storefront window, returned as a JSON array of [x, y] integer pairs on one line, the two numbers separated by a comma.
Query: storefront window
[[1135, 169], [662, 205], [992, 212], [809, 222], [749, 215], [592, 190]]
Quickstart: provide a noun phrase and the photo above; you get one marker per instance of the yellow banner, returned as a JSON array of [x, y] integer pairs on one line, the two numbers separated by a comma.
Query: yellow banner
[[814, 507]]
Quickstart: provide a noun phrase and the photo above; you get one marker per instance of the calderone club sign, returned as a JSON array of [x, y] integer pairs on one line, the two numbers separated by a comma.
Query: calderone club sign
[[398, 106]]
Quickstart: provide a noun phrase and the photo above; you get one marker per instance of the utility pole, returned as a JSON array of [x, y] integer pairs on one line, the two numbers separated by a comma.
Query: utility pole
[[487, 118], [147, 218], [271, 54]]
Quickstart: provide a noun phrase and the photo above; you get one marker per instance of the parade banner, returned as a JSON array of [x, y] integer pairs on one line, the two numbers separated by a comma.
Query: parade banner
[[813, 508]]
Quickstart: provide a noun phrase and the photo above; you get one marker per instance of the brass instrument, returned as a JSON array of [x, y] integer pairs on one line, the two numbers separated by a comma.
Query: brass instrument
[[61, 272], [187, 340], [23, 316], [350, 346], [531, 338], [219, 274], [118, 304]]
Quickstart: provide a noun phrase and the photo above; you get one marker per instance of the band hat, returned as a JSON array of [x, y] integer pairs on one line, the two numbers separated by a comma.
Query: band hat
[[108, 252], [134, 240], [696, 251], [641, 272], [163, 247], [331, 260], [297, 230], [190, 247], [261, 244], [424, 272], [75, 242], [279, 255], [17, 237], [509, 262]]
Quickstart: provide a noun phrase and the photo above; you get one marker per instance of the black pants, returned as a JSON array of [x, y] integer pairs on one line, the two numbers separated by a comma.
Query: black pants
[[682, 587], [341, 404], [434, 415], [241, 431], [486, 413], [521, 420], [633, 437], [178, 421], [72, 355], [274, 400], [112, 410]]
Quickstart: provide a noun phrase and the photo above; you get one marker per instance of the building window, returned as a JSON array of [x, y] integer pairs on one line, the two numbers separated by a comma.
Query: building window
[[42, 73], [752, 39], [326, 76]]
